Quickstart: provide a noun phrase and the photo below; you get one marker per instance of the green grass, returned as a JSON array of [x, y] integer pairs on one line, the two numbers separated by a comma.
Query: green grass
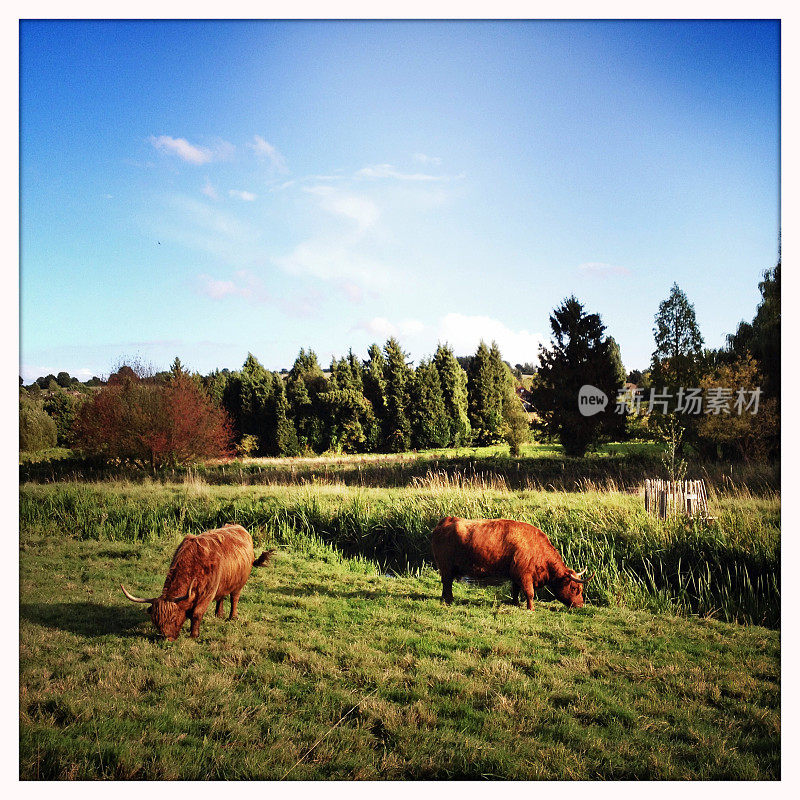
[[476, 690], [729, 569]]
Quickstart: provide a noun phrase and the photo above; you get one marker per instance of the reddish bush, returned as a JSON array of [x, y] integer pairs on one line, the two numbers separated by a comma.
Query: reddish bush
[[152, 423]]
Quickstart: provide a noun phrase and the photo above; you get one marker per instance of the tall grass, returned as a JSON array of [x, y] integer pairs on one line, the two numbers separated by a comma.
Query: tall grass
[[620, 466], [729, 569]]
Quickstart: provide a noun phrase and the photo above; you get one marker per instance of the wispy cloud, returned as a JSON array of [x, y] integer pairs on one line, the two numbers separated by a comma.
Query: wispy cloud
[[242, 195], [264, 149], [338, 262], [192, 154], [602, 270], [204, 226], [382, 171], [361, 210], [245, 284], [210, 191], [421, 158]]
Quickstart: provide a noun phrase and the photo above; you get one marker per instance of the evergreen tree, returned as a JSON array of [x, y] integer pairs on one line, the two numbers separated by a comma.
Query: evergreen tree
[[484, 396], [397, 375], [677, 358], [374, 391], [285, 436], [616, 359], [245, 398], [304, 386], [516, 428], [577, 356], [430, 422], [214, 383], [762, 337], [454, 393], [176, 370]]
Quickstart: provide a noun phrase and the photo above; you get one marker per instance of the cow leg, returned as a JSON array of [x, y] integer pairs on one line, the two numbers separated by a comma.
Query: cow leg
[[447, 588], [515, 592], [194, 631], [234, 604], [196, 616], [527, 587], [219, 612]]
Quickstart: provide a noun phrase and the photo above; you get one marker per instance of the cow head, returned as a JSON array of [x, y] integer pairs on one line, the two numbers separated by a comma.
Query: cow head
[[167, 613], [569, 588]]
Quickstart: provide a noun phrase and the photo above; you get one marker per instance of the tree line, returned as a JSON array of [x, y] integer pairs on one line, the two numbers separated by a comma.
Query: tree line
[[384, 403]]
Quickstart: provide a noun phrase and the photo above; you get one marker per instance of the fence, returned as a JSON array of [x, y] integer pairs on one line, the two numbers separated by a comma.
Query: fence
[[668, 499]]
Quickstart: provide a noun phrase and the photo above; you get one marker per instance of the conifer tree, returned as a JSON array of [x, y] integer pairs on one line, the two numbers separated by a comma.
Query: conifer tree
[[397, 374], [430, 422], [454, 394], [305, 384], [375, 392], [677, 358], [484, 397], [578, 355], [285, 438]]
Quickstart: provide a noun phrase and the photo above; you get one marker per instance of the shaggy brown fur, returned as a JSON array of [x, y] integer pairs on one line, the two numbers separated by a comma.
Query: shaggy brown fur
[[205, 568], [496, 550]]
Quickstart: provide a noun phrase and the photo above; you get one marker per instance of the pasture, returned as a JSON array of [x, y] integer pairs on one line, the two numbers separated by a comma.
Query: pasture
[[344, 664]]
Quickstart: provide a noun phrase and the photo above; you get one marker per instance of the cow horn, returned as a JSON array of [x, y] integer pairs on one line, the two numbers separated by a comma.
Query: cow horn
[[576, 577], [184, 597], [136, 599]]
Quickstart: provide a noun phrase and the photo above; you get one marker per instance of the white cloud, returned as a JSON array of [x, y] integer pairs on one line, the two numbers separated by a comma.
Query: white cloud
[[263, 148], [388, 171], [216, 289], [193, 154], [245, 285], [248, 196], [345, 204], [423, 159], [338, 263], [210, 191], [602, 270], [182, 149], [464, 333], [383, 328], [203, 226]]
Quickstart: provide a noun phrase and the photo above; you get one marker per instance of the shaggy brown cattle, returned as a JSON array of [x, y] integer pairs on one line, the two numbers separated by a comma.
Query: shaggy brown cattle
[[204, 568], [496, 550]]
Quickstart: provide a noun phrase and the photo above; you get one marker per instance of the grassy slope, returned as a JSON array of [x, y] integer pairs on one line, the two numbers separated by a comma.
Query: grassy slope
[[479, 689]]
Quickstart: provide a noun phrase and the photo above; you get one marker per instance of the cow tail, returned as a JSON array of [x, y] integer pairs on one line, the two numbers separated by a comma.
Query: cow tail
[[264, 558]]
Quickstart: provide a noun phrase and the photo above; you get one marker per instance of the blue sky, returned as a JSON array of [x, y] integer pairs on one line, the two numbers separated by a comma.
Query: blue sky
[[208, 189]]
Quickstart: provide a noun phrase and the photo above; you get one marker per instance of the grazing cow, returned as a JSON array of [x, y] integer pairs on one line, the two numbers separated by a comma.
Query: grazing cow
[[204, 568], [496, 550]]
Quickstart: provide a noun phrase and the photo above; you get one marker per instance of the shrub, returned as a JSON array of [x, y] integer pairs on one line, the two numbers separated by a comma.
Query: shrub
[[153, 424], [37, 431]]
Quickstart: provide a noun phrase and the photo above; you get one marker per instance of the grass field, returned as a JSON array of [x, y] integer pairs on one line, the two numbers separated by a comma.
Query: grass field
[[345, 665], [336, 670], [616, 466]]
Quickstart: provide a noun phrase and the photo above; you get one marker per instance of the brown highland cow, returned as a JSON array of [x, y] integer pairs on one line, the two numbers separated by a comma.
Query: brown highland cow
[[496, 550], [207, 567]]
